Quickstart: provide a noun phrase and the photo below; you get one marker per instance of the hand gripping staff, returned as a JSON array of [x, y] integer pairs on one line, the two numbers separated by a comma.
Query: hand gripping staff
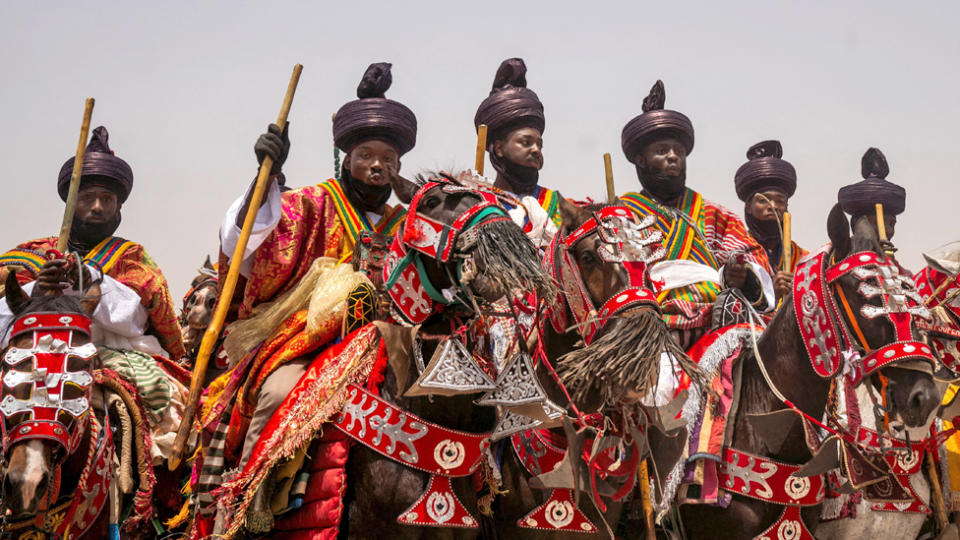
[[226, 294], [71, 208]]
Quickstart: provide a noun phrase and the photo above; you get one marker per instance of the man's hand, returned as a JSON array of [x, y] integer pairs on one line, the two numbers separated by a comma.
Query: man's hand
[[52, 278], [274, 143], [735, 275], [782, 284]]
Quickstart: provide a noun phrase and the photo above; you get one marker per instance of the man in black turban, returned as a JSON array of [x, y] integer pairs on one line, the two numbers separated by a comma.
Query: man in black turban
[[297, 226], [105, 183], [765, 183], [514, 118], [708, 247]]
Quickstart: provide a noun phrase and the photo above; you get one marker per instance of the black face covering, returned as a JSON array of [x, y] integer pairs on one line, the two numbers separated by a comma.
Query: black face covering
[[766, 232], [364, 197], [84, 236], [522, 179], [664, 188]]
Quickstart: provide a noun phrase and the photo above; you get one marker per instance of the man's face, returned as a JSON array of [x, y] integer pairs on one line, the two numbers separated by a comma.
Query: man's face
[[97, 204], [667, 156], [522, 147], [368, 162], [767, 205]]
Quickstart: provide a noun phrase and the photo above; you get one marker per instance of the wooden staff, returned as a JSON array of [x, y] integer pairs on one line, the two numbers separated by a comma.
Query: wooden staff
[[608, 169], [481, 148], [71, 207], [645, 499], [881, 225], [787, 242], [939, 506], [226, 294]]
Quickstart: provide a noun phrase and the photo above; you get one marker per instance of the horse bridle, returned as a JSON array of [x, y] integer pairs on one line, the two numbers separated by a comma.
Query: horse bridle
[[825, 328], [624, 240], [412, 293]]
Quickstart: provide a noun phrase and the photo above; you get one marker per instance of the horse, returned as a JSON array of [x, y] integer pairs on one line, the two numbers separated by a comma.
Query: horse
[[57, 455], [769, 495], [608, 341]]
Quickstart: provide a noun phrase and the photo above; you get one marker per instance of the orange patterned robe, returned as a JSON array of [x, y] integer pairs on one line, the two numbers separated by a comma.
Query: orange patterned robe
[[124, 261]]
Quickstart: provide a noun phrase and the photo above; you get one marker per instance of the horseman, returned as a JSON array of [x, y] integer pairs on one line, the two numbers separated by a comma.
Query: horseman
[[514, 118], [135, 310], [298, 226], [708, 248], [765, 184]]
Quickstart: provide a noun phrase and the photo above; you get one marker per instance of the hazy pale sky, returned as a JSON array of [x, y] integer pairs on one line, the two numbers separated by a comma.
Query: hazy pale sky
[[185, 88]]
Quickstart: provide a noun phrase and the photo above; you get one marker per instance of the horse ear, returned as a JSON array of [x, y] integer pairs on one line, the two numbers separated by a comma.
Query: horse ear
[[207, 264], [405, 189], [16, 298], [837, 227], [865, 237], [573, 216]]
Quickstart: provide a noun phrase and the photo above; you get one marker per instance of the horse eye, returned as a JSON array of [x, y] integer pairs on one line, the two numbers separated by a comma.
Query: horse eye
[[210, 302], [431, 202]]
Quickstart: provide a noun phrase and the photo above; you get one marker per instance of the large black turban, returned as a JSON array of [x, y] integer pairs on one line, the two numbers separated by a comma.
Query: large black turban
[[655, 123], [373, 116], [765, 170], [99, 161], [861, 198], [510, 105]]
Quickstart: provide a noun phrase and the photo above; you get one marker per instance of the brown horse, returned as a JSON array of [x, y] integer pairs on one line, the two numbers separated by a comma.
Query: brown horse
[[912, 395], [609, 375], [48, 435]]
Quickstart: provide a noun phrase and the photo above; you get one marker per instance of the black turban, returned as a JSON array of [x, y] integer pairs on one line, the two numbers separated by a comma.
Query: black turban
[[655, 123], [373, 116], [99, 161], [861, 198], [510, 105], [765, 170]]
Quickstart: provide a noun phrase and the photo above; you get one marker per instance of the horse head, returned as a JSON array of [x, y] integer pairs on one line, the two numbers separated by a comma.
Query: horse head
[[457, 245], [600, 259], [45, 395], [878, 302], [198, 305]]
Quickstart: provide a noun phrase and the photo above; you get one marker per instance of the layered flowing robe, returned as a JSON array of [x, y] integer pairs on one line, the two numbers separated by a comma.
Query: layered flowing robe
[[126, 262], [291, 231], [538, 214], [699, 238]]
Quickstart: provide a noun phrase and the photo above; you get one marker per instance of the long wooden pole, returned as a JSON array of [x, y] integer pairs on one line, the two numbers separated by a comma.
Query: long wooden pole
[[608, 172], [646, 501], [481, 148], [881, 225], [787, 242], [71, 208], [936, 494], [226, 294]]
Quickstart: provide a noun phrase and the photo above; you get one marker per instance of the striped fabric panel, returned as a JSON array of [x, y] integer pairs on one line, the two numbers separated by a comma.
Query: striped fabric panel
[[107, 253], [550, 201], [353, 221], [141, 370], [27, 259], [212, 470]]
